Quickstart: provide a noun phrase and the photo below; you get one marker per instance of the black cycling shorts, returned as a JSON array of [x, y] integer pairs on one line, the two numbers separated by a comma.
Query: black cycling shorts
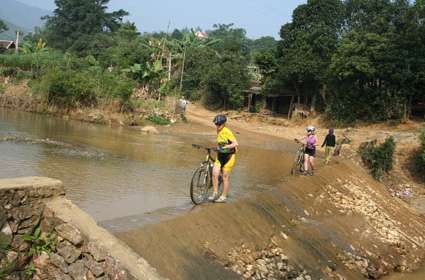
[[310, 152], [223, 158]]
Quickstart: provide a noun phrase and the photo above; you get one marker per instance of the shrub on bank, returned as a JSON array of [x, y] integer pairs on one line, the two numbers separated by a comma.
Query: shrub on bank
[[116, 86], [158, 120], [67, 88], [378, 158]]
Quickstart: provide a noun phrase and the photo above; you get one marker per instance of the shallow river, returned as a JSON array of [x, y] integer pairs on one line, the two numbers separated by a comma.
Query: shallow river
[[124, 178]]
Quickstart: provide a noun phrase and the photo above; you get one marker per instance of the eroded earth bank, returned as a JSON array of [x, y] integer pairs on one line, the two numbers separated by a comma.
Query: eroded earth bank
[[339, 224]]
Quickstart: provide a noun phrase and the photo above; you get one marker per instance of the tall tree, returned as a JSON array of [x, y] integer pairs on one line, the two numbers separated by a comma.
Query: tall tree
[[75, 24], [307, 45], [373, 70]]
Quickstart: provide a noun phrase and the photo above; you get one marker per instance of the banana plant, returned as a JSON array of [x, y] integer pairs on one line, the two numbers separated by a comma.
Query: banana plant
[[189, 42], [147, 74], [29, 47]]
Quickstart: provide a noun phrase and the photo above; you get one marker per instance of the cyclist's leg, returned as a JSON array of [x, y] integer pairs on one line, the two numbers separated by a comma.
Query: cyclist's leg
[[311, 159], [306, 162], [216, 174], [329, 153], [227, 169]]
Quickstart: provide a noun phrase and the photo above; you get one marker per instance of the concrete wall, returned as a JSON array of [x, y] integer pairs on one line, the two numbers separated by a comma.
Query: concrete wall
[[45, 236]]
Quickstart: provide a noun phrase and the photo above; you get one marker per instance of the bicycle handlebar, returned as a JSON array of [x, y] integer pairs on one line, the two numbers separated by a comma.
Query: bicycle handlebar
[[196, 146]]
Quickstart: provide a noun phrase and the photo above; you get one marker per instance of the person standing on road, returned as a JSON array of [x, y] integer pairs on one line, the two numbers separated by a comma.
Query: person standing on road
[[310, 150], [226, 157], [329, 144], [183, 104]]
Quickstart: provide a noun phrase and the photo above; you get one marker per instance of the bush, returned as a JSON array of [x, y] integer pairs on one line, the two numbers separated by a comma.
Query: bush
[[347, 105], [8, 72], [158, 120], [378, 158], [68, 88], [116, 86]]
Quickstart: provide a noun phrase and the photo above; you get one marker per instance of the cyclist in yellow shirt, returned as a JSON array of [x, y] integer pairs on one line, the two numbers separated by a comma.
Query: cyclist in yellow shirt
[[226, 157]]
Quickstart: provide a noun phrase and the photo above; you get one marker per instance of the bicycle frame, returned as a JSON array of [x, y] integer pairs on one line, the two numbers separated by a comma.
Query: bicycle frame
[[299, 158], [206, 165]]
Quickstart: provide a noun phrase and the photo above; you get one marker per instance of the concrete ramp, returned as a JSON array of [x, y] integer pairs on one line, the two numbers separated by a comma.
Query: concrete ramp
[[338, 223]]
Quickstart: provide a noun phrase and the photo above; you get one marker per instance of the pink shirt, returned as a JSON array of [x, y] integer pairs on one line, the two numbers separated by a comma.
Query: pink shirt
[[311, 141]]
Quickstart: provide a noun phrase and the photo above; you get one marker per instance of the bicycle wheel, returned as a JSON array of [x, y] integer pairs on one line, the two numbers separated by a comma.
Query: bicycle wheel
[[199, 185], [301, 162], [298, 165]]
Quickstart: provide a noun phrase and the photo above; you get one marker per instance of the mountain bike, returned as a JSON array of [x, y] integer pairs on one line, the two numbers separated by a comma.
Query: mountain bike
[[201, 185], [298, 165]]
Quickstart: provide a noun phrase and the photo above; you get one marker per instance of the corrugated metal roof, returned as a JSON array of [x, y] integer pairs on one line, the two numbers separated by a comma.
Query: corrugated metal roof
[[7, 44]]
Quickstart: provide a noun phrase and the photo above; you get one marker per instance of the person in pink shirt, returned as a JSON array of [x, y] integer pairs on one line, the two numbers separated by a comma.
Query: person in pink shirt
[[310, 150]]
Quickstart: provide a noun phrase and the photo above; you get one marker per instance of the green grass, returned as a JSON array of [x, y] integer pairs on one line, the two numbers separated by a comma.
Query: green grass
[[159, 120]]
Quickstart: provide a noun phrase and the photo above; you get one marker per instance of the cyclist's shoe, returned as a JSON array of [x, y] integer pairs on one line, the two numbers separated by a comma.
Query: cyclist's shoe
[[221, 199], [213, 197]]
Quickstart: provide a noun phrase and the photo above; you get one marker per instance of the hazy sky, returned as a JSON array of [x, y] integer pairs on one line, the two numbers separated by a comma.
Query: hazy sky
[[258, 17]]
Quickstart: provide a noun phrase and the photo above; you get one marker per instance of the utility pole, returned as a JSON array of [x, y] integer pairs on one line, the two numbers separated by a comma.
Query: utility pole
[[17, 42]]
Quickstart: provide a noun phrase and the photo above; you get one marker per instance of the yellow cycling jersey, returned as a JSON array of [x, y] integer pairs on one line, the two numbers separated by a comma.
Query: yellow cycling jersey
[[225, 137]]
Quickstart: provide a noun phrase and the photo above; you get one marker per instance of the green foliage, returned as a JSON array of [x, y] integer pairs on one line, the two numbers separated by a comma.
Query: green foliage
[[266, 62], [266, 43], [117, 86], [79, 25], [225, 81], [34, 62], [364, 60], [230, 39], [378, 158], [217, 70], [30, 269], [126, 49], [40, 242], [68, 88], [307, 46], [159, 120]]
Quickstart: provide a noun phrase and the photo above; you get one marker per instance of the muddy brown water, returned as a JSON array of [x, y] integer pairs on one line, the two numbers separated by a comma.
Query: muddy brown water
[[124, 178]]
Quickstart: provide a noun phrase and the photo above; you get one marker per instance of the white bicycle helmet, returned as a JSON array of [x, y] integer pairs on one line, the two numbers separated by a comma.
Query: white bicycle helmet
[[310, 128]]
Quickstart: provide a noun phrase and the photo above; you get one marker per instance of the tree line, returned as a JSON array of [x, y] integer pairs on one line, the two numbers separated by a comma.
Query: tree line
[[354, 59], [85, 54], [351, 60]]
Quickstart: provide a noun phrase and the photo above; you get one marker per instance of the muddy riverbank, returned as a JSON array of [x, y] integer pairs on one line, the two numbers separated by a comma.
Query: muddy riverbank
[[20, 97]]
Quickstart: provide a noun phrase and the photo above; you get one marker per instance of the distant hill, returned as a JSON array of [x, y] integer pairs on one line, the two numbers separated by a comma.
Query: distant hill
[[11, 33], [23, 15]]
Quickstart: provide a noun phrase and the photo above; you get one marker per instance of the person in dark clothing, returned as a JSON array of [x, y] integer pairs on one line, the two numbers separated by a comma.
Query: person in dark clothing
[[329, 144]]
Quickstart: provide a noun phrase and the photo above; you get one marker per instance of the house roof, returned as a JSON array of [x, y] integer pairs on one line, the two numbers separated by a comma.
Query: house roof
[[7, 44]]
